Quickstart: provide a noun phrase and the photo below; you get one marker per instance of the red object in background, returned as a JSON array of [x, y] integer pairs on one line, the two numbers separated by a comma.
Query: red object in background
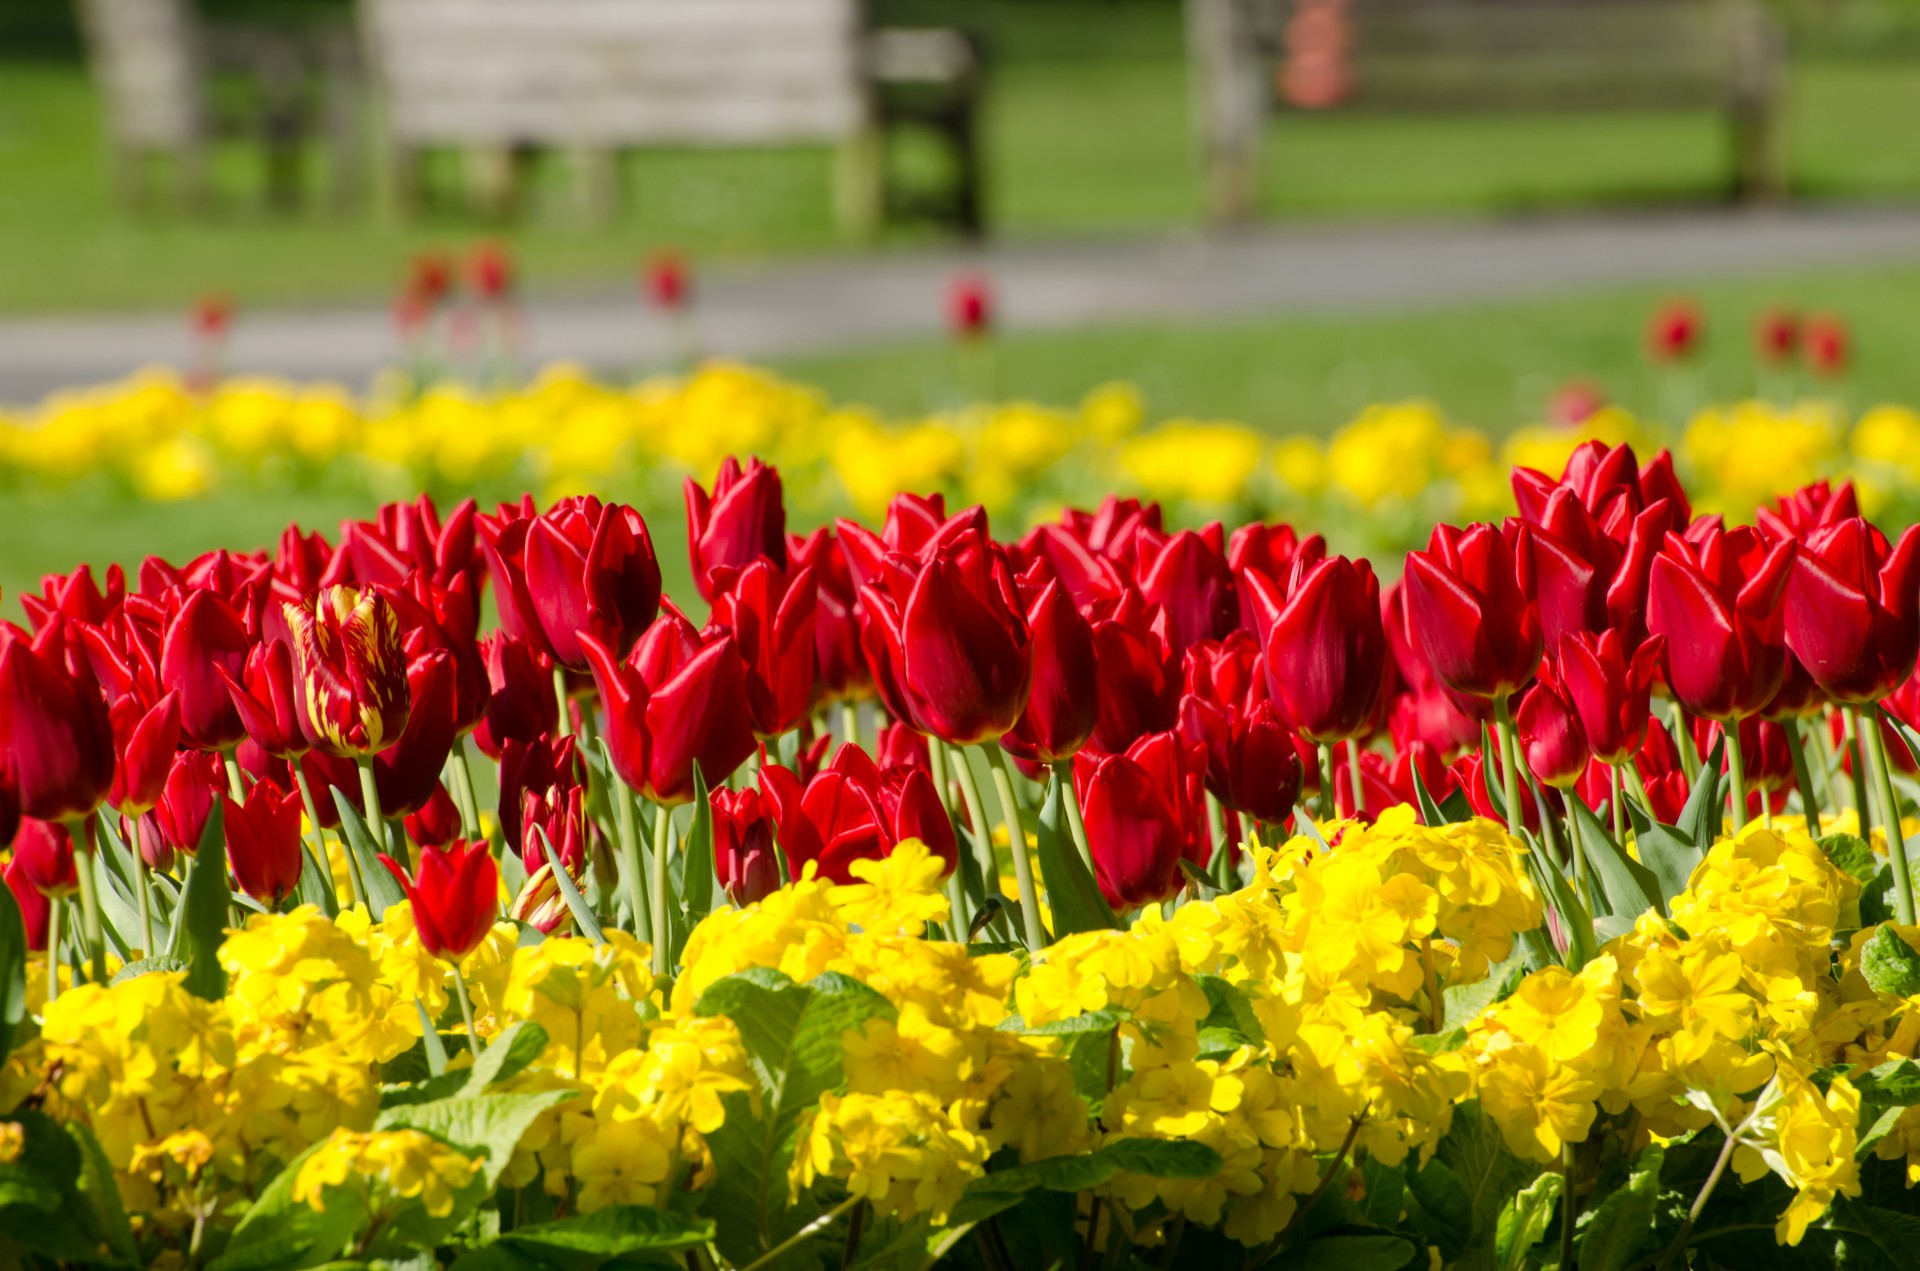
[[1826, 345], [667, 281], [970, 306], [1776, 334], [1315, 73], [1574, 403], [491, 271], [212, 315], [430, 277], [1674, 333]]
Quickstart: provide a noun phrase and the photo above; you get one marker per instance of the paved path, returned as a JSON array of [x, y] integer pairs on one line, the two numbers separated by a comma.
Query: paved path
[[818, 305]]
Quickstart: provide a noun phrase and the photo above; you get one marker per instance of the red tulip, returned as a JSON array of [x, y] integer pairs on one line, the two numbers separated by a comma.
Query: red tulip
[[1551, 740], [194, 782], [1187, 575], [560, 813], [56, 736], [1853, 609], [1063, 704], [854, 811], [1574, 403], [1662, 775], [1610, 693], [1144, 813], [1085, 550], [44, 858], [437, 823], [455, 896], [263, 842], [1673, 334], [583, 567], [897, 746], [1766, 765], [1469, 609], [916, 524], [211, 315], [840, 669], [1717, 601], [1252, 765], [435, 619], [1807, 509], [970, 305], [145, 741], [680, 698], [76, 596], [1424, 711], [266, 701], [771, 614], [409, 537], [545, 763], [204, 638], [1273, 550], [1776, 332], [666, 281], [521, 705], [1471, 776], [36, 911], [1827, 345], [407, 772], [1138, 687], [491, 272], [946, 640], [349, 672], [743, 854], [1326, 650], [9, 813], [743, 521], [431, 275]]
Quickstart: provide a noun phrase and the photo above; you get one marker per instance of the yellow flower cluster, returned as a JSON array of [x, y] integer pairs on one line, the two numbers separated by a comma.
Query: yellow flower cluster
[[561, 432], [402, 1164]]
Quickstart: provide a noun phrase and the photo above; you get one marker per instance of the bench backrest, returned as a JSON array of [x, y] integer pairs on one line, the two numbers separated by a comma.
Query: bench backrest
[[145, 60], [617, 72]]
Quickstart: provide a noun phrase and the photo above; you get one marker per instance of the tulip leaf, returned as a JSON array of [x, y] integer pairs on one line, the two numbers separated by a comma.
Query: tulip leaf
[[1628, 886], [697, 874], [13, 970], [200, 924], [1431, 813], [1198, 881], [1573, 915], [432, 1045], [316, 881], [583, 915], [1889, 964], [117, 906], [379, 886], [1072, 894], [114, 852], [1701, 818], [1667, 850]]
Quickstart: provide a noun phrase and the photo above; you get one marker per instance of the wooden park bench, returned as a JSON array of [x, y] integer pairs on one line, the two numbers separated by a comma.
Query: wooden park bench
[[1522, 56], [500, 80], [173, 85]]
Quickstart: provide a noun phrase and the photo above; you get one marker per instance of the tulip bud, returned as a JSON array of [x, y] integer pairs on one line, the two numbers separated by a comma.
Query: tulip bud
[[520, 704], [36, 911], [1717, 602], [1325, 647], [205, 644], [1551, 739], [560, 814], [540, 903], [437, 823], [1138, 691], [771, 614], [743, 854], [1674, 332], [840, 670], [43, 855], [1063, 704], [1471, 615], [1610, 695], [146, 741], [1144, 813], [854, 811], [1776, 333], [1853, 609], [263, 842], [542, 764], [970, 306], [680, 699], [56, 735], [194, 782], [455, 895], [1187, 575], [266, 702], [744, 520], [583, 568], [350, 674]]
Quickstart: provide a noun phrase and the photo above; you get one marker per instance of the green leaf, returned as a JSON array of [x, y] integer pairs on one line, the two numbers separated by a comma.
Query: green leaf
[[1851, 854], [1163, 1158], [1431, 813], [583, 915], [1103, 1021], [1477, 1154], [1228, 1007], [1896, 1082], [280, 1233], [98, 1188], [585, 1241], [1622, 1221], [13, 970], [1705, 810], [792, 1035], [1525, 1220], [1347, 1253], [1465, 1001], [316, 881], [1073, 896], [1630, 887], [490, 1125], [699, 869], [1889, 964], [201, 924], [508, 1055], [1664, 849], [1573, 915], [147, 966], [380, 887], [431, 1043], [1198, 882], [1446, 1205]]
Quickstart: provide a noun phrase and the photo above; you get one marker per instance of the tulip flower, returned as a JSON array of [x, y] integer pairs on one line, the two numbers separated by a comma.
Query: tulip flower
[[1776, 334], [56, 735], [1551, 740], [1673, 333], [666, 280], [915, 524], [490, 270], [1811, 507], [437, 823], [1827, 346], [854, 811], [840, 669], [771, 615], [947, 642], [560, 814], [43, 854], [203, 642], [455, 895], [263, 842], [582, 568], [897, 746], [1662, 775], [407, 772], [1610, 692], [970, 306], [530, 768], [1325, 647], [193, 783], [744, 520], [1063, 703], [409, 537], [36, 910], [1137, 688], [1273, 550], [521, 705], [679, 699], [145, 741], [1716, 599], [350, 676], [1853, 609], [1187, 575], [743, 851], [75, 596], [1470, 613], [446, 620], [1144, 813], [266, 702], [1424, 710], [1252, 766]]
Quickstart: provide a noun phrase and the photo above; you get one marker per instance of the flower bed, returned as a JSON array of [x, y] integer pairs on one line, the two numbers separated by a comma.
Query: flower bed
[[1114, 896]]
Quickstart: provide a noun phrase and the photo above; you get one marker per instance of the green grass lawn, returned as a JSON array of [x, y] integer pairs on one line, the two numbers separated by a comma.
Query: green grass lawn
[[1087, 129], [1489, 365]]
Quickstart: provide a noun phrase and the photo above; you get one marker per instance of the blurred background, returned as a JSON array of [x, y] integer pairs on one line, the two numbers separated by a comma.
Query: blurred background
[[1274, 212]]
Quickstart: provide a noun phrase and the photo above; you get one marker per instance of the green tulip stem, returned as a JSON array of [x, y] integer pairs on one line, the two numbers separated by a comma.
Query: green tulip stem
[[976, 819], [1353, 776], [1070, 799], [1736, 771], [1329, 805], [960, 915], [463, 795], [466, 1007], [850, 725], [1802, 775], [87, 849], [1017, 840], [236, 785], [54, 905], [370, 797], [141, 886], [627, 827], [1509, 764], [662, 830], [1683, 739], [320, 835], [1875, 743], [565, 726], [1857, 769], [1582, 879], [1617, 805]]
